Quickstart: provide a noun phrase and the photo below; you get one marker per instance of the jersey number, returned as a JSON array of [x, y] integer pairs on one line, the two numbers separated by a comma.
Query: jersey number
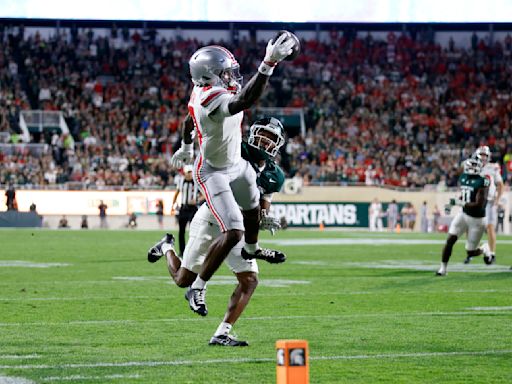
[[465, 194]]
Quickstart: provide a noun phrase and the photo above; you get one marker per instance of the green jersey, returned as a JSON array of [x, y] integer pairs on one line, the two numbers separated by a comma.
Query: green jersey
[[270, 179], [469, 187]]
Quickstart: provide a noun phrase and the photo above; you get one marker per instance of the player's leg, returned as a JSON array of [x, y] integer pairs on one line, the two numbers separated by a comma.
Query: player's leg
[[379, 224], [222, 204], [182, 225], [457, 228], [476, 229], [372, 223], [247, 195], [247, 274], [491, 217]]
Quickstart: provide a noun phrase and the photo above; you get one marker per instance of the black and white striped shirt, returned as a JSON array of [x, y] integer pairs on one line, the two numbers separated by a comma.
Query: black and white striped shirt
[[188, 191]]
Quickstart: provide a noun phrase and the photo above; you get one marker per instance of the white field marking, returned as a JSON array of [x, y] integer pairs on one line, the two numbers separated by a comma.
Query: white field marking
[[309, 262], [30, 264], [15, 380], [505, 308], [345, 241], [255, 360], [263, 294], [430, 266], [256, 318], [360, 241], [19, 357], [219, 280], [81, 377]]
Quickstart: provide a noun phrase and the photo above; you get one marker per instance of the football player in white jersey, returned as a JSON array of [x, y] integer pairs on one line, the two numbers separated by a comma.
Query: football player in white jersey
[[264, 142], [227, 181], [492, 172]]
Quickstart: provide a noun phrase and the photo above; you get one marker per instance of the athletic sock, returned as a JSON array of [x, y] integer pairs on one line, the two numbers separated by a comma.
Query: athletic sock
[[251, 248], [198, 283], [443, 267], [167, 247], [223, 329]]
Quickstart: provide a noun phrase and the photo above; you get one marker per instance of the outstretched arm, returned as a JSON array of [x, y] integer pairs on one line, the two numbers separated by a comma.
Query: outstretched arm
[[276, 52], [249, 94]]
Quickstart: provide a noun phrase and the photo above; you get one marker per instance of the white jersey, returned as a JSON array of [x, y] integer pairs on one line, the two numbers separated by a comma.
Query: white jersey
[[493, 173], [220, 134], [375, 209]]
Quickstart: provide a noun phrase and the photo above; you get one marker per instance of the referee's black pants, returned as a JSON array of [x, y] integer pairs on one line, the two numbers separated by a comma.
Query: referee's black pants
[[185, 216]]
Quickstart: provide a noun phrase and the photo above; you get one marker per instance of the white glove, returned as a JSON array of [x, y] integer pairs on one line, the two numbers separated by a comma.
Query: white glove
[[269, 222], [276, 52], [182, 156]]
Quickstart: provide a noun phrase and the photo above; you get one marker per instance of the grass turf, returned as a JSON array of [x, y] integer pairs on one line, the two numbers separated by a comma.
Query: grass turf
[[86, 307]]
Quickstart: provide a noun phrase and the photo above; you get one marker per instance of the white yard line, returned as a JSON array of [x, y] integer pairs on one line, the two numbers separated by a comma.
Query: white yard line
[[19, 357], [251, 360], [360, 241], [504, 308], [258, 318], [261, 293], [15, 380], [82, 377]]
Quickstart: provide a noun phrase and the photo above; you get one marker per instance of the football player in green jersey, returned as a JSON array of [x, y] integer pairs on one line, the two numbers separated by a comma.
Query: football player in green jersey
[[472, 198], [265, 140]]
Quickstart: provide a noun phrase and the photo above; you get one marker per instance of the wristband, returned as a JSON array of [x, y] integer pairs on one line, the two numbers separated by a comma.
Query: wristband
[[187, 147], [266, 68]]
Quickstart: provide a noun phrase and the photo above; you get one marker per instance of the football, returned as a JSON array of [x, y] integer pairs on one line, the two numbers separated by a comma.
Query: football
[[296, 47]]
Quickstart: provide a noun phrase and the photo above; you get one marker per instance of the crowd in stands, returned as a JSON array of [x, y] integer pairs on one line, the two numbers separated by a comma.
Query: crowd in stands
[[402, 112]]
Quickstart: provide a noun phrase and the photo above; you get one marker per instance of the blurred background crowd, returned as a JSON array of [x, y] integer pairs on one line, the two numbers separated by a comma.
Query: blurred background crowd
[[400, 111]]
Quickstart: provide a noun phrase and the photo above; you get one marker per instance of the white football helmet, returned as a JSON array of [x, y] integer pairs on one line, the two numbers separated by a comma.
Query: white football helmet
[[267, 135], [473, 166], [215, 65], [484, 154]]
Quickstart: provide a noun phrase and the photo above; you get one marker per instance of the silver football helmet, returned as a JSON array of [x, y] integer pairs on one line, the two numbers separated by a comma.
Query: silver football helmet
[[267, 135], [215, 65], [473, 166]]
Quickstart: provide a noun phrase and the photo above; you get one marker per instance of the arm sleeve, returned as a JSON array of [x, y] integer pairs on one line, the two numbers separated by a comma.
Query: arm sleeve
[[497, 176]]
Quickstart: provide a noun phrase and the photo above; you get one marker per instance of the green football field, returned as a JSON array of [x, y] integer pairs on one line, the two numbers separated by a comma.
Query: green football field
[[86, 307]]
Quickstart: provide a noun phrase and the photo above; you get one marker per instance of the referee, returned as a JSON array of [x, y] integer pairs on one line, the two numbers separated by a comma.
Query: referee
[[188, 195]]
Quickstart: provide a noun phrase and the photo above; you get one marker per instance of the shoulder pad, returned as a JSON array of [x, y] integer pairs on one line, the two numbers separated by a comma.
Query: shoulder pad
[[209, 94]]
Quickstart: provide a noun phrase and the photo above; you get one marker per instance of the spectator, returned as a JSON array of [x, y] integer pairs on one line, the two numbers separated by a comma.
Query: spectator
[[160, 213], [63, 222], [132, 221], [84, 223], [392, 214], [10, 195], [103, 214], [424, 217], [436, 216], [375, 215]]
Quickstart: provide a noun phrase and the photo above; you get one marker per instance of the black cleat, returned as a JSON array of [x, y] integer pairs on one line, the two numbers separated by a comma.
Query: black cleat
[[196, 300], [155, 252], [440, 273], [227, 341], [468, 259], [269, 255], [489, 259]]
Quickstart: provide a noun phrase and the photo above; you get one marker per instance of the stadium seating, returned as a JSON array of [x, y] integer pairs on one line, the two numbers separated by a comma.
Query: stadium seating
[[401, 112]]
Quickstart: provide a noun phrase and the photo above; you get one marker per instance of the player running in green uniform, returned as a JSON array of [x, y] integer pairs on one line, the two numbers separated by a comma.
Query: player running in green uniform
[[470, 220], [265, 140]]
